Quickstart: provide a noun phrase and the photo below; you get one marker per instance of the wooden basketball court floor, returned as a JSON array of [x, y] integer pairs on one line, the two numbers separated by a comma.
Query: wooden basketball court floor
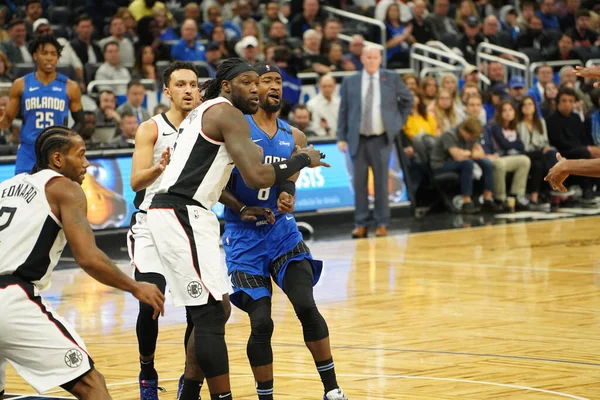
[[496, 312]]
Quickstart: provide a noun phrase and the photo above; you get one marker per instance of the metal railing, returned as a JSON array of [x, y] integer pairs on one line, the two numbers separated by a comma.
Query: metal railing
[[119, 82], [348, 38], [437, 59], [367, 20], [487, 52], [592, 62], [563, 63]]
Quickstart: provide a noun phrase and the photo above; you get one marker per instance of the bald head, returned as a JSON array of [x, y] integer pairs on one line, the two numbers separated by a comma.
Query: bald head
[[490, 25], [327, 86], [371, 58]]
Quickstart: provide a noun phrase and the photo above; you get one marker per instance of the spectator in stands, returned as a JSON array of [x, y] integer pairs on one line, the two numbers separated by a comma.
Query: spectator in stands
[[192, 11], [135, 98], [568, 79], [145, 64], [331, 32], [505, 148], [496, 94], [548, 104], [567, 134], [429, 88], [130, 23], [581, 34], [565, 50], [301, 119], [527, 12], [568, 20], [397, 34], [405, 14], [4, 16], [164, 24], [106, 113], [517, 89], [534, 37], [544, 75], [495, 72], [411, 81], [470, 74], [5, 75], [218, 35], [143, 8], [491, 26], [41, 27], [292, 85], [149, 35], [324, 108], [465, 9], [128, 125], [351, 61], [214, 18], [160, 108], [335, 57], [373, 110], [439, 21], [450, 83], [547, 13], [16, 47], [251, 28], [117, 34], [87, 51], [213, 56], [244, 13], [469, 90], [532, 131], [278, 35], [271, 15], [188, 48], [593, 120], [6, 136], [225, 9], [268, 52], [469, 41], [247, 49], [312, 60], [422, 32], [310, 17], [444, 111], [89, 126], [458, 150], [33, 11], [112, 70], [419, 120]]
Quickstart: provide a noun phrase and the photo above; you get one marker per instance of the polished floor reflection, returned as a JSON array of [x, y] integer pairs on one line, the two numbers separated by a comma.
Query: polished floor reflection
[[495, 312]]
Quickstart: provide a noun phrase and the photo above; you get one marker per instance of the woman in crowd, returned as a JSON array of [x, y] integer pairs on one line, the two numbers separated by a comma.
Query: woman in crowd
[[164, 24], [411, 81], [465, 9], [145, 64], [532, 131], [226, 47], [397, 34], [129, 23], [149, 35], [443, 111], [450, 83], [429, 88], [549, 102], [419, 121]]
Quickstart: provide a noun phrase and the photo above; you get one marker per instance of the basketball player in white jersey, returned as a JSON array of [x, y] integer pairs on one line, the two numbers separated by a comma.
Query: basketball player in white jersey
[[211, 139], [153, 141], [39, 213]]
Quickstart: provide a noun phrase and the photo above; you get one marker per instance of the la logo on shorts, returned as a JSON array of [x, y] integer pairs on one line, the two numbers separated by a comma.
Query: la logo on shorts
[[194, 289], [73, 358]]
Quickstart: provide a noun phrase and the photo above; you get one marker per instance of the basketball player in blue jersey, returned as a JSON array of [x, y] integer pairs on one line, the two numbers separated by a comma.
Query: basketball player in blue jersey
[[44, 98], [257, 248]]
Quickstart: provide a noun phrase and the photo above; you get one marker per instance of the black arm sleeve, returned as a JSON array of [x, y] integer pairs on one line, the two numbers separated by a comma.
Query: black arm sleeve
[[285, 169], [79, 121], [288, 187]]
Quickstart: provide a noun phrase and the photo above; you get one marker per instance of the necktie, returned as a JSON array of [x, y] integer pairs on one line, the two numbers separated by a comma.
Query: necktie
[[139, 115], [367, 112]]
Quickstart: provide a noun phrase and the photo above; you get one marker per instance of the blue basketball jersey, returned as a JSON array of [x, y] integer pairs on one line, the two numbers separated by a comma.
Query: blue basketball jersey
[[279, 148], [43, 106]]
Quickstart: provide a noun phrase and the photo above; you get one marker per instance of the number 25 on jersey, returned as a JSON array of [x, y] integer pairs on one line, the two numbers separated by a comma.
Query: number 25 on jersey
[[43, 119]]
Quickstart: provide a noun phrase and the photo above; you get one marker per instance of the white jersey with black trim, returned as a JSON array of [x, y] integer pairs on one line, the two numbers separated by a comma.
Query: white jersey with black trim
[[166, 135], [31, 237], [200, 166]]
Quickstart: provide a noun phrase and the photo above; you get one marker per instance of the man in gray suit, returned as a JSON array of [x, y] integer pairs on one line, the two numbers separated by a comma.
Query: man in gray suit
[[373, 109], [135, 98]]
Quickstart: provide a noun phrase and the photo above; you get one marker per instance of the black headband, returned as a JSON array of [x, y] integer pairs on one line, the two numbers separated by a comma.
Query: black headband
[[237, 70], [266, 68]]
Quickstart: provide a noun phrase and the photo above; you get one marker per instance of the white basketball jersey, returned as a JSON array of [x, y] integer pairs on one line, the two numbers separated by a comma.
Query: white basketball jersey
[[31, 237], [166, 135], [200, 166]]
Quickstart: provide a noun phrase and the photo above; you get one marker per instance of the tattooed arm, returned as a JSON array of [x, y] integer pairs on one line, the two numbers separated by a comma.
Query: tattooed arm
[[69, 204]]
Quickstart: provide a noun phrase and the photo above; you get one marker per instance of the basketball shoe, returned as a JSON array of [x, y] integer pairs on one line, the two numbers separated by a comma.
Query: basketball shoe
[[149, 389], [335, 394]]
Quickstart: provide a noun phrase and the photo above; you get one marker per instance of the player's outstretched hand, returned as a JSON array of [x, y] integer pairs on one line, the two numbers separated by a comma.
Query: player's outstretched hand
[[164, 159], [557, 174], [315, 156], [285, 203], [148, 293], [251, 214]]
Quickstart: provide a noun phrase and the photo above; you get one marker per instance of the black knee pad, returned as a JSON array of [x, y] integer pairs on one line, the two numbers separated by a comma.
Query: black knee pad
[[154, 278], [209, 336], [259, 348]]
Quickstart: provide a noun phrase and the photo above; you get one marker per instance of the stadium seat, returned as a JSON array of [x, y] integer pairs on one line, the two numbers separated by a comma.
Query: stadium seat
[[22, 69], [178, 14], [59, 15], [5, 149], [67, 70], [89, 71], [446, 185], [203, 69], [62, 31]]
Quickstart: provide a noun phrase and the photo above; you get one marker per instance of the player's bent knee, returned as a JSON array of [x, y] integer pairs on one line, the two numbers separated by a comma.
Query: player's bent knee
[[209, 337], [90, 385], [314, 326]]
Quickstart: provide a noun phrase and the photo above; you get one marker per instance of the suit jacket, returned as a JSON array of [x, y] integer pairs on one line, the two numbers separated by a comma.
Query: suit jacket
[[127, 107], [437, 26], [80, 49], [396, 103], [12, 52]]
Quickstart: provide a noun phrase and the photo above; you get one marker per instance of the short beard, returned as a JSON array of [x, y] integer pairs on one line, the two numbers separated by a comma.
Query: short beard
[[239, 103], [270, 108]]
